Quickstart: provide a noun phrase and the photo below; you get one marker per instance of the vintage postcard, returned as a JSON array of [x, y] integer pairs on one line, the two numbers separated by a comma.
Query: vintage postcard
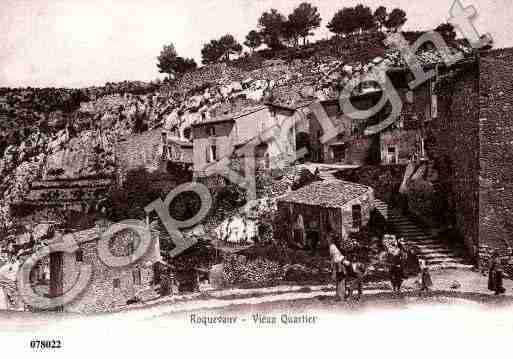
[[256, 177]]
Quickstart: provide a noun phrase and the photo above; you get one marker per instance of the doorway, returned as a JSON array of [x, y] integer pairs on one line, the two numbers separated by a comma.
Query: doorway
[[339, 153]]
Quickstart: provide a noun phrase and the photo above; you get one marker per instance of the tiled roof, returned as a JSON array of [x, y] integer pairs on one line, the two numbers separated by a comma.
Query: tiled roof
[[293, 106], [332, 193], [232, 116]]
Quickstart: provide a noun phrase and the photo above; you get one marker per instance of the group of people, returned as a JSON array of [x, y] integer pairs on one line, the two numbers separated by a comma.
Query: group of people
[[349, 272], [397, 260]]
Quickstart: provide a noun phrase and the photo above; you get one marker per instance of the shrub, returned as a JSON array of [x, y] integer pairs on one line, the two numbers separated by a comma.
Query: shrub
[[259, 272]]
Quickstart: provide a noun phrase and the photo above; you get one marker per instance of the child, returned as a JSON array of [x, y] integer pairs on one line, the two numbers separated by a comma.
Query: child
[[425, 277]]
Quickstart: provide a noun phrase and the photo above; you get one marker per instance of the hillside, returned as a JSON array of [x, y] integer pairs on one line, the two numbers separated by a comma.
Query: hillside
[[66, 134]]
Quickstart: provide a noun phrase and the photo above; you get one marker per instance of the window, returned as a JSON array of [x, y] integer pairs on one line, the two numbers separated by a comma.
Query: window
[[358, 129], [213, 153], [136, 274], [319, 134], [357, 216], [212, 131], [432, 102], [116, 283], [79, 255], [131, 247], [391, 155]]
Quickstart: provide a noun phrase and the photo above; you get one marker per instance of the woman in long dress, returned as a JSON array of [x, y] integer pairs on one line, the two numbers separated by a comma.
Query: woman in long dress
[[495, 275], [338, 271], [396, 269]]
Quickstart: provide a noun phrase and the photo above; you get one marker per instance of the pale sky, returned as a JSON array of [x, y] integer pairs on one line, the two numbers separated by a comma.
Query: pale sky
[[76, 43]]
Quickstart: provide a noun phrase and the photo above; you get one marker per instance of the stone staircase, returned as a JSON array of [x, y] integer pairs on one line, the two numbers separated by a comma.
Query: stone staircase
[[436, 253]]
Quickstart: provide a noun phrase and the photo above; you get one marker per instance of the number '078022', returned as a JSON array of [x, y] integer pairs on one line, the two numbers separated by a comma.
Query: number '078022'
[[45, 344]]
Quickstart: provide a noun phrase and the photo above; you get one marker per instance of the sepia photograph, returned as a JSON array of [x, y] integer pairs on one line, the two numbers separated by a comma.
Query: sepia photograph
[[256, 178]]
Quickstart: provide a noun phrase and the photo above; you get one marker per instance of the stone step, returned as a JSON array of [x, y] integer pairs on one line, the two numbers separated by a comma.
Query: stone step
[[423, 243], [449, 265], [419, 236], [423, 237], [433, 250], [406, 227], [416, 234], [443, 260], [393, 218], [403, 221], [419, 240], [438, 255], [436, 245]]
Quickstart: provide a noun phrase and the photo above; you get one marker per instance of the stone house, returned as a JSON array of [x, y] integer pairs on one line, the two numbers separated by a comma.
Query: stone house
[[177, 150], [404, 139], [346, 147], [109, 287], [367, 141], [226, 137], [300, 125], [325, 208], [352, 146], [167, 159]]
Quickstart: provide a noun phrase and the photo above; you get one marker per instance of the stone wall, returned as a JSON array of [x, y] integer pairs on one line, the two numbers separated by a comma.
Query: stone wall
[[496, 151], [100, 295], [453, 144]]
